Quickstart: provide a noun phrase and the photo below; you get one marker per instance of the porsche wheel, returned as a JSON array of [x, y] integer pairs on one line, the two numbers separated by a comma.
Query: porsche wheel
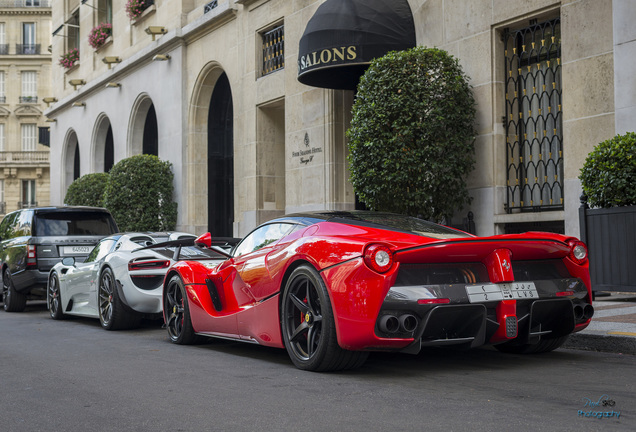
[[308, 325], [53, 299], [544, 345], [13, 300], [177, 313], [112, 314]]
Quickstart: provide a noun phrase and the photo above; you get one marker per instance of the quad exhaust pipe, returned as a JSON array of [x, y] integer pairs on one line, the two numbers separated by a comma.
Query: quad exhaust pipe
[[405, 323]]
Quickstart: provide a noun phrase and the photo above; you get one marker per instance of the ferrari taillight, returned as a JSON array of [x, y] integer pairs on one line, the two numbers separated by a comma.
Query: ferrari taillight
[[578, 251], [378, 257], [31, 257], [148, 265]]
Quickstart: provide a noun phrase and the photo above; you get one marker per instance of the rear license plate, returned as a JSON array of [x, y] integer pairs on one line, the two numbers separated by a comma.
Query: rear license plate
[[76, 250], [505, 291]]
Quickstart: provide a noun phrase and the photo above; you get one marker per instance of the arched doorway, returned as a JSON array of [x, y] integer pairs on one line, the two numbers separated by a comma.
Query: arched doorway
[[221, 159], [76, 163], [103, 147], [151, 136], [71, 159], [143, 135], [109, 150]]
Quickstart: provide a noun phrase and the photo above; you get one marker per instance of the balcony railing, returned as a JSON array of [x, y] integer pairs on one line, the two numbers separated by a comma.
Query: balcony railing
[[28, 99], [27, 49], [4, 49], [3, 99], [24, 157], [3, 207], [25, 3], [27, 204]]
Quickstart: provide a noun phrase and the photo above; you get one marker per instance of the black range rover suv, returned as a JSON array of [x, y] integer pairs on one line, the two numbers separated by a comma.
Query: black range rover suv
[[33, 240]]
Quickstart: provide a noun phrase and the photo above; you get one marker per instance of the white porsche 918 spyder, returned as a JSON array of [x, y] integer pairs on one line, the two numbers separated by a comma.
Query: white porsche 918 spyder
[[121, 280]]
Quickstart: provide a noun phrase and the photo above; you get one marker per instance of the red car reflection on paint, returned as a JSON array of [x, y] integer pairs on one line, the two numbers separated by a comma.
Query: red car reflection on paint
[[331, 286]]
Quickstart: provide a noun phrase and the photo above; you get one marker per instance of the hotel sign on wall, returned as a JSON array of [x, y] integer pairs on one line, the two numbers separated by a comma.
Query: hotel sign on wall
[[306, 156]]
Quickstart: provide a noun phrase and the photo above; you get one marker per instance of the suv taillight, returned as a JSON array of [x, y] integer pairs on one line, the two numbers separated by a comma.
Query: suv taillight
[[31, 257]]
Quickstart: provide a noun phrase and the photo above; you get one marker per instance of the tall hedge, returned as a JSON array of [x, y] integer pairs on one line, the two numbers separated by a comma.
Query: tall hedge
[[608, 175], [87, 190], [139, 194], [411, 140]]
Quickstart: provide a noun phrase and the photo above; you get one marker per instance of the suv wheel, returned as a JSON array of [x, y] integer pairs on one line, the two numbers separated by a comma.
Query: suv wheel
[[13, 300]]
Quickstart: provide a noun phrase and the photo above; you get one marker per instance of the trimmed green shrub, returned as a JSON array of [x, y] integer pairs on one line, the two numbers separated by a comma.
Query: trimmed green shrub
[[411, 140], [87, 190], [608, 175], [139, 194]]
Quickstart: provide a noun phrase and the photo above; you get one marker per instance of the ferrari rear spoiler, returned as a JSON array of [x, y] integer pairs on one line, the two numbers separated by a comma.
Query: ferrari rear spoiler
[[478, 248]]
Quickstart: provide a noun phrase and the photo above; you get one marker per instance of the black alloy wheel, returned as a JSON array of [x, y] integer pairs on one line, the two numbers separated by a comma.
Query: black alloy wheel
[[308, 325], [177, 313], [53, 299], [13, 301]]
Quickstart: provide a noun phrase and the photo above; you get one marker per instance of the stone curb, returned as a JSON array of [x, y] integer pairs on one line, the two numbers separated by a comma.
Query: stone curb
[[603, 343]]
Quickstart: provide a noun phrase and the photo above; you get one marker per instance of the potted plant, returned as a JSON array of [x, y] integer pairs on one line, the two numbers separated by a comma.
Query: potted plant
[[608, 177], [68, 59], [134, 8], [98, 35]]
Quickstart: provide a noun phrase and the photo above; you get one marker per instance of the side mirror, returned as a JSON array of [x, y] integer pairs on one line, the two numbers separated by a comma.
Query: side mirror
[[204, 240], [68, 261]]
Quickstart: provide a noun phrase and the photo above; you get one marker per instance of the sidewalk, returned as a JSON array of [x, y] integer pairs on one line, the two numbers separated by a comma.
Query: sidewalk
[[613, 326]]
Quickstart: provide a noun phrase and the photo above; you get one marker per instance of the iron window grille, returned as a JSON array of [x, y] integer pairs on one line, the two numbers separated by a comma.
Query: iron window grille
[[208, 7], [273, 50], [533, 122]]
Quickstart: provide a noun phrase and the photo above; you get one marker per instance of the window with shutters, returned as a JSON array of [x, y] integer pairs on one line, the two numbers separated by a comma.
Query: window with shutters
[[29, 87], [29, 137]]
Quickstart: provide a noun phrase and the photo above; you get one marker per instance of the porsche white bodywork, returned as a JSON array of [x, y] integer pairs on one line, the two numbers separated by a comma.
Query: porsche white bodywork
[[138, 275]]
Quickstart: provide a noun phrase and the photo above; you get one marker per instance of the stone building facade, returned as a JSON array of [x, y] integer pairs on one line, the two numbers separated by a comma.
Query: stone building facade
[[212, 86], [25, 80]]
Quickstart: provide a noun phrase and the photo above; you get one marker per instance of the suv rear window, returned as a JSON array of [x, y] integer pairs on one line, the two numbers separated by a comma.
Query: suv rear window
[[74, 224]]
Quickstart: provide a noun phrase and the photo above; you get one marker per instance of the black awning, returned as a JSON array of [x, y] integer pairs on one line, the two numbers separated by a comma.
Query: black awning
[[344, 36]]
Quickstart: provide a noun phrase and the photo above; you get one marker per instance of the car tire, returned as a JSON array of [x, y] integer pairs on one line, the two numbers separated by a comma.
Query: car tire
[[112, 312], [53, 298], [176, 311], [544, 345], [308, 325], [13, 300]]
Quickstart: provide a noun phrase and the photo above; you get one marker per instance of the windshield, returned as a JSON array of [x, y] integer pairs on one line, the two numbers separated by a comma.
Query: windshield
[[69, 223]]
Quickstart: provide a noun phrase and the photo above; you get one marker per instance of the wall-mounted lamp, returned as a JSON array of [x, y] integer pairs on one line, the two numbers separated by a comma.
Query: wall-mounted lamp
[[109, 60], [79, 104], [155, 30], [112, 85], [49, 100], [161, 57], [76, 82], [50, 120]]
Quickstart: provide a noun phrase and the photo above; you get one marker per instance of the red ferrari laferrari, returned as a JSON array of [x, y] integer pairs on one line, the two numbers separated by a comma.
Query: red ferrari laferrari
[[331, 286]]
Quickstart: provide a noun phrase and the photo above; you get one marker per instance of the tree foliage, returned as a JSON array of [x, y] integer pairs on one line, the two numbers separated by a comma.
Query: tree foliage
[[608, 175], [411, 140], [139, 194], [87, 190]]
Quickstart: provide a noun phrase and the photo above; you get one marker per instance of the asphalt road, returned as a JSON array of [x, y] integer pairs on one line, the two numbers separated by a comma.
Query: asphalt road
[[73, 376]]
